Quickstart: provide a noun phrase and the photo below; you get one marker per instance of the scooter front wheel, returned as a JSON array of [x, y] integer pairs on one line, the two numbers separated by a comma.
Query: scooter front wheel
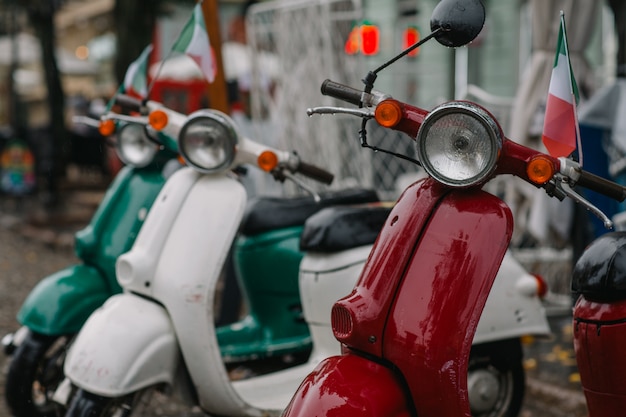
[[85, 404], [35, 371]]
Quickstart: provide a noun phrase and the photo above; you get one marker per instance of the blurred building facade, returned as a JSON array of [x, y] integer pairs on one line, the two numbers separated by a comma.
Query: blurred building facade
[[495, 62]]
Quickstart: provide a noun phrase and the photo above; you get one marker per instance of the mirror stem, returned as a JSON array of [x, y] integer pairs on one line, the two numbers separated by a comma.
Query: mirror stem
[[409, 49]]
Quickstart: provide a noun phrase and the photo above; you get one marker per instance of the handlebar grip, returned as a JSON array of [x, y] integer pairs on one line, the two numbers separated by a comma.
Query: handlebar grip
[[602, 186], [342, 92], [128, 102], [315, 173]]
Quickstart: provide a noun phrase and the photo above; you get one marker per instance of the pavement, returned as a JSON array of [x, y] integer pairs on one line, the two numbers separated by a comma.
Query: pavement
[[553, 383]]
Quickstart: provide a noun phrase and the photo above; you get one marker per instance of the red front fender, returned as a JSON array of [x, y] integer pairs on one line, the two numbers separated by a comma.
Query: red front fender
[[349, 386]]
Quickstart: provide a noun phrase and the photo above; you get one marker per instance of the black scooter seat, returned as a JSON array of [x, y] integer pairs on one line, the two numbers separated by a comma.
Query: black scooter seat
[[269, 213], [339, 228], [600, 272]]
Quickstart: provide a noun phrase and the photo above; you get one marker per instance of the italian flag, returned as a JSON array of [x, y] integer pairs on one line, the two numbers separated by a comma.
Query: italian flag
[[560, 128], [194, 42], [136, 77]]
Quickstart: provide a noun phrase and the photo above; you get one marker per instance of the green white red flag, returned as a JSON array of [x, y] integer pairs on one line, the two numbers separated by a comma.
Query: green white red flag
[[560, 128], [136, 77], [194, 42]]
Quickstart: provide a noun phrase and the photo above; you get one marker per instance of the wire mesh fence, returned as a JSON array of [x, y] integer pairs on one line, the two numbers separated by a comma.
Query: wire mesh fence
[[305, 39]]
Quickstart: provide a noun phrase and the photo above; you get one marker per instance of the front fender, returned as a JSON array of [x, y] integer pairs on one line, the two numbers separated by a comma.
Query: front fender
[[126, 345], [349, 386], [61, 302]]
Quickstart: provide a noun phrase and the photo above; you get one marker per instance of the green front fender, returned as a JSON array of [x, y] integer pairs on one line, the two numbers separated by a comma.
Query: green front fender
[[62, 302]]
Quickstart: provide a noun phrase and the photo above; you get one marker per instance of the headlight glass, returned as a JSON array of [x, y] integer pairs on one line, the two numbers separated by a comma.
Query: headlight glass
[[459, 144], [133, 146], [208, 141]]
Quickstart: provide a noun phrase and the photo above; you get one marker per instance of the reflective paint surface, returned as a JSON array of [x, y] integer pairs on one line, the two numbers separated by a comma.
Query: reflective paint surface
[[349, 385]]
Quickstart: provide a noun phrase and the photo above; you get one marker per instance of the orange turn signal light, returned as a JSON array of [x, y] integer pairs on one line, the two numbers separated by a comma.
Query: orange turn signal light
[[267, 161], [540, 169], [158, 119], [106, 127], [388, 113]]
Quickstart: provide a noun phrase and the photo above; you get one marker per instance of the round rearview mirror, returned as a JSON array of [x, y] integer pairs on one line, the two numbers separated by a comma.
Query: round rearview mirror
[[460, 20]]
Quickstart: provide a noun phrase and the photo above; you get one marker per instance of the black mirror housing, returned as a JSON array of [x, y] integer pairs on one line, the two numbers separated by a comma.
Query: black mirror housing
[[459, 21]]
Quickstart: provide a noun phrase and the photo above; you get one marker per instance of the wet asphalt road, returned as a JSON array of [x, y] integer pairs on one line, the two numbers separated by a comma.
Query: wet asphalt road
[[22, 263], [27, 255]]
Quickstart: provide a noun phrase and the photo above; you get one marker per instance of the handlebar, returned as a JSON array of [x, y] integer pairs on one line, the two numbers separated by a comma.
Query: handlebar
[[128, 102], [570, 173], [342, 92], [578, 176], [315, 173], [602, 186]]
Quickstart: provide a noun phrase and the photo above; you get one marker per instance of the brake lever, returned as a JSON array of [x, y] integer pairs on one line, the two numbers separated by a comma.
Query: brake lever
[[285, 174], [363, 113], [563, 186]]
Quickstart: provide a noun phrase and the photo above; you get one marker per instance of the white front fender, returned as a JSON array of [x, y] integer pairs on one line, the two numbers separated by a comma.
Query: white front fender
[[127, 344]]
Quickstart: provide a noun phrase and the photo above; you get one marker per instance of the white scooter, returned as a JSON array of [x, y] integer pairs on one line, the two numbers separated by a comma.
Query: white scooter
[[160, 332]]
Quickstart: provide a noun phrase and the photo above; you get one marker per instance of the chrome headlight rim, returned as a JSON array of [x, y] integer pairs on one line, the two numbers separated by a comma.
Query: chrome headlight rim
[[493, 133], [231, 137], [130, 135]]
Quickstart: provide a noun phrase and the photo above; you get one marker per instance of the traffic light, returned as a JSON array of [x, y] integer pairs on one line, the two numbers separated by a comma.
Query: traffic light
[[364, 38], [370, 39], [410, 36]]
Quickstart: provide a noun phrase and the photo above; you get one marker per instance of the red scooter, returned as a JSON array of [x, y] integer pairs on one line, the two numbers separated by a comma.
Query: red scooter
[[406, 329]]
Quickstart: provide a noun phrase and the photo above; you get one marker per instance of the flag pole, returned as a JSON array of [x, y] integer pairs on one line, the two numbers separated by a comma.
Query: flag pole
[[217, 91]]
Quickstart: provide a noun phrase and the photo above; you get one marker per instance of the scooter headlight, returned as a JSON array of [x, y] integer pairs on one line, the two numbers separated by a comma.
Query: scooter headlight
[[208, 141], [459, 144], [133, 146]]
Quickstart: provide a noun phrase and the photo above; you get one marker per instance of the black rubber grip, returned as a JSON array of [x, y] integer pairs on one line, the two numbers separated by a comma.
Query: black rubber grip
[[602, 186], [342, 92], [315, 173], [128, 102]]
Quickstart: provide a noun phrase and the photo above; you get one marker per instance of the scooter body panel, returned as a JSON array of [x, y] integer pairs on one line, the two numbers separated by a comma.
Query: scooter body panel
[[116, 223], [441, 296], [267, 266], [431, 257], [513, 308], [61, 302], [599, 340], [127, 344], [350, 385], [324, 278], [177, 260], [173, 266], [371, 298]]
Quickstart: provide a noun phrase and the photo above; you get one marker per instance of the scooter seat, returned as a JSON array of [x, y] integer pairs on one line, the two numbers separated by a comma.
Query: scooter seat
[[339, 228], [600, 272], [269, 213]]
